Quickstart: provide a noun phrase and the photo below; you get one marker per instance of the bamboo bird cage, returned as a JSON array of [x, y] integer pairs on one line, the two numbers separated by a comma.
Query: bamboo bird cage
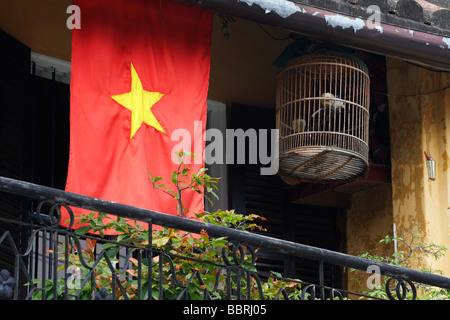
[[323, 119]]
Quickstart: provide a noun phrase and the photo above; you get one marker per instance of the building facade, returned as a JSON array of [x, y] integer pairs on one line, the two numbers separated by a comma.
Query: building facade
[[408, 58]]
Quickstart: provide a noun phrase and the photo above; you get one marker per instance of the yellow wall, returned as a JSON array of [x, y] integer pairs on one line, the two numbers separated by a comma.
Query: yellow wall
[[413, 202], [369, 219], [41, 25], [241, 67], [419, 124]]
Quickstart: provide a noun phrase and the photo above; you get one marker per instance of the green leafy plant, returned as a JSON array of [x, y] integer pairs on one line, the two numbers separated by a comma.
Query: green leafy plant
[[410, 253], [182, 263], [198, 182]]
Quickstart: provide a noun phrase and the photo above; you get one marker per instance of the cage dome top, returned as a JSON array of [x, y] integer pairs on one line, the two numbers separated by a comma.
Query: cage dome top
[[302, 47]]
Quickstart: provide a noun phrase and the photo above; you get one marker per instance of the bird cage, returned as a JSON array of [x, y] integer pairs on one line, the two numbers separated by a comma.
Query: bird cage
[[323, 119]]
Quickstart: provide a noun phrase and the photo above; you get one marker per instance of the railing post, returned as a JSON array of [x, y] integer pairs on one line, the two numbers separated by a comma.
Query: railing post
[[321, 281], [54, 258], [44, 264], [66, 266], [150, 260]]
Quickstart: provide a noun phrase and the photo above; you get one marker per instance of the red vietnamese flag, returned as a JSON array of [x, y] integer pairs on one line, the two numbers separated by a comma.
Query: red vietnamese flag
[[140, 70]]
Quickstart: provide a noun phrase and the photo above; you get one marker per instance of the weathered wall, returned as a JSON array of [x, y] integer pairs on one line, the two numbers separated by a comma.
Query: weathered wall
[[413, 202], [419, 123], [369, 219]]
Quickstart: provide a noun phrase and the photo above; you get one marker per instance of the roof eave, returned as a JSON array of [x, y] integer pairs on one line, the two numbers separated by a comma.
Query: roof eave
[[407, 44]]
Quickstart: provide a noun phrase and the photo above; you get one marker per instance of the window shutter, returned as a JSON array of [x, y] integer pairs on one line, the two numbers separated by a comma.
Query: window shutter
[[268, 196], [14, 136]]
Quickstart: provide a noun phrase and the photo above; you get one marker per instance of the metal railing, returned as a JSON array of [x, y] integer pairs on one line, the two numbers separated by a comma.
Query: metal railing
[[42, 269]]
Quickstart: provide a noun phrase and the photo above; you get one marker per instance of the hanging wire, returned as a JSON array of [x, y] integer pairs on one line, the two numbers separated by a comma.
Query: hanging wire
[[420, 93], [427, 68], [413, 94], [225, 20], [273, 37]]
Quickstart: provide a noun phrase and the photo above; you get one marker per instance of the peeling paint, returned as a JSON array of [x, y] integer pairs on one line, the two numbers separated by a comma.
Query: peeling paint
[[283, 8], [419, 124], [379, 29], [368, 220], [344, 22], [445, 161], [446, 41]]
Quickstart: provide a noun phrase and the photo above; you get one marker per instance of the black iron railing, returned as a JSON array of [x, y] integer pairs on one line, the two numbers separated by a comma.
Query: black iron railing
[[42, 268]]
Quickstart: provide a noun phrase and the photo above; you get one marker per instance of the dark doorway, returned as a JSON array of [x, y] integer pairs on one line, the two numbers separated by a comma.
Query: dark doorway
[[268, 196]]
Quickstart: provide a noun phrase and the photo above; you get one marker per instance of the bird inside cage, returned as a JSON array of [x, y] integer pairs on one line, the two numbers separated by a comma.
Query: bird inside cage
[[331, 101], [298, 125], [330, 106]]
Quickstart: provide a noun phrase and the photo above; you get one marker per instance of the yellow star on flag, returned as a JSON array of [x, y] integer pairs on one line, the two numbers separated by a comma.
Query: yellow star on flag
[[140, 103]]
